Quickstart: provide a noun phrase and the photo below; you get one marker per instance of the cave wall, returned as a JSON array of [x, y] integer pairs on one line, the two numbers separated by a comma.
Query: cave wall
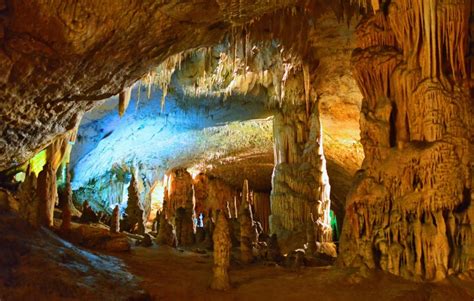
[[410, 210]]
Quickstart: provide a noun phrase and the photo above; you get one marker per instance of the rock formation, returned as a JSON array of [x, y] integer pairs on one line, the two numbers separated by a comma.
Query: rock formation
[[166, 234], [222, 245], [179, 199], [184, 227], [300, 182], [66, 217], [134, 211], [115, 220], [88, 214], [47, 194], [65, 193], [274, 251], [410, 210], [261, 204], [213, 194], [247, 232], [156, 222], [29, 202]]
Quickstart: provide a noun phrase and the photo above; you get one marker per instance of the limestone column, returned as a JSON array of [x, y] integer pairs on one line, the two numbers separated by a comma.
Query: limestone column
[[247, 233], [222, 246]]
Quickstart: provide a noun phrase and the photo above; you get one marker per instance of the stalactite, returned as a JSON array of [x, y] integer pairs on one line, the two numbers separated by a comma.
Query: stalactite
[[405, 212], [124, 100]]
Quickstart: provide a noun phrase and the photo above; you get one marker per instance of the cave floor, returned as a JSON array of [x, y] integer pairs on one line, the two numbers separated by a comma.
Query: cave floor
[[169, 274], [39, 265]]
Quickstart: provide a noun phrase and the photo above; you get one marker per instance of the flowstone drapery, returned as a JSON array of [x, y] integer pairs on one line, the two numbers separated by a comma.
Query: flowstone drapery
[[410, 211]]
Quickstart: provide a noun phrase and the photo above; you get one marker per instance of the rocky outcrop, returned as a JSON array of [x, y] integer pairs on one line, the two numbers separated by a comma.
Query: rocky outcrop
[[410, 211]]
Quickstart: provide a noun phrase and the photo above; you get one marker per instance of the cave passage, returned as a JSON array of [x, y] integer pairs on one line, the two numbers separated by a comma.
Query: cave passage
[[236, 150]]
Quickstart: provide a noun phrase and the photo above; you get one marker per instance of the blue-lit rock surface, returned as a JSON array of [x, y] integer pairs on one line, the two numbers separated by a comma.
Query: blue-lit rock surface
[[231, 139]]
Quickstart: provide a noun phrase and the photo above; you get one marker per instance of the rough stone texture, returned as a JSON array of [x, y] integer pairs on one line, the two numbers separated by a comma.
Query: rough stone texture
[[47, 194], [74, 53], [183, 221], [247, 233], [212, 194], [179, 199], [115, 220], [65, 194], [261, 206], [222, 246], [166, 234], [66, 216], [178, 190], [29, 200], [410, 210], [100, 49], [301, 191], [134, 212]]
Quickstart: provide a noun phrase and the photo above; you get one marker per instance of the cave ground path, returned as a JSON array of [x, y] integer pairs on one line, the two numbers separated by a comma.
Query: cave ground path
[[173, 274]]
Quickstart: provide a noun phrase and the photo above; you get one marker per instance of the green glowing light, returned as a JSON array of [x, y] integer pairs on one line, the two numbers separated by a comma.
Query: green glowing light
[[333, 221], [37, 162]]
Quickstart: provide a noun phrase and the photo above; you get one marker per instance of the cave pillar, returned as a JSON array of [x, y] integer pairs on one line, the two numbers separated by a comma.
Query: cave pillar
[[410, 209], [247, 233], [181, 205], [261, 204], [222, 246], [29, 200], [46, 184], [300, 204]]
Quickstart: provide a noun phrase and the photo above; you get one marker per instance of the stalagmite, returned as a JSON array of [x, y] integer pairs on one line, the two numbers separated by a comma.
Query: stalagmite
[[66, 216], [46, 194], [222, 245], [88, 215], [134, 210], [29, 200], [115, 220], [247, 233], [166, 234], [65, 196]]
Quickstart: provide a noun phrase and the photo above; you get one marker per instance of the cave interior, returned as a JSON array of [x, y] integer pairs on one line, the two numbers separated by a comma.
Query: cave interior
[[237, 150]]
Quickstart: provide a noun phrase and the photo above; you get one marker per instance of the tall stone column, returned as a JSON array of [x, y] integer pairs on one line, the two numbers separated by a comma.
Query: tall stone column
[[247, 233], [410, 210], [300, 202], [179, 196]]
